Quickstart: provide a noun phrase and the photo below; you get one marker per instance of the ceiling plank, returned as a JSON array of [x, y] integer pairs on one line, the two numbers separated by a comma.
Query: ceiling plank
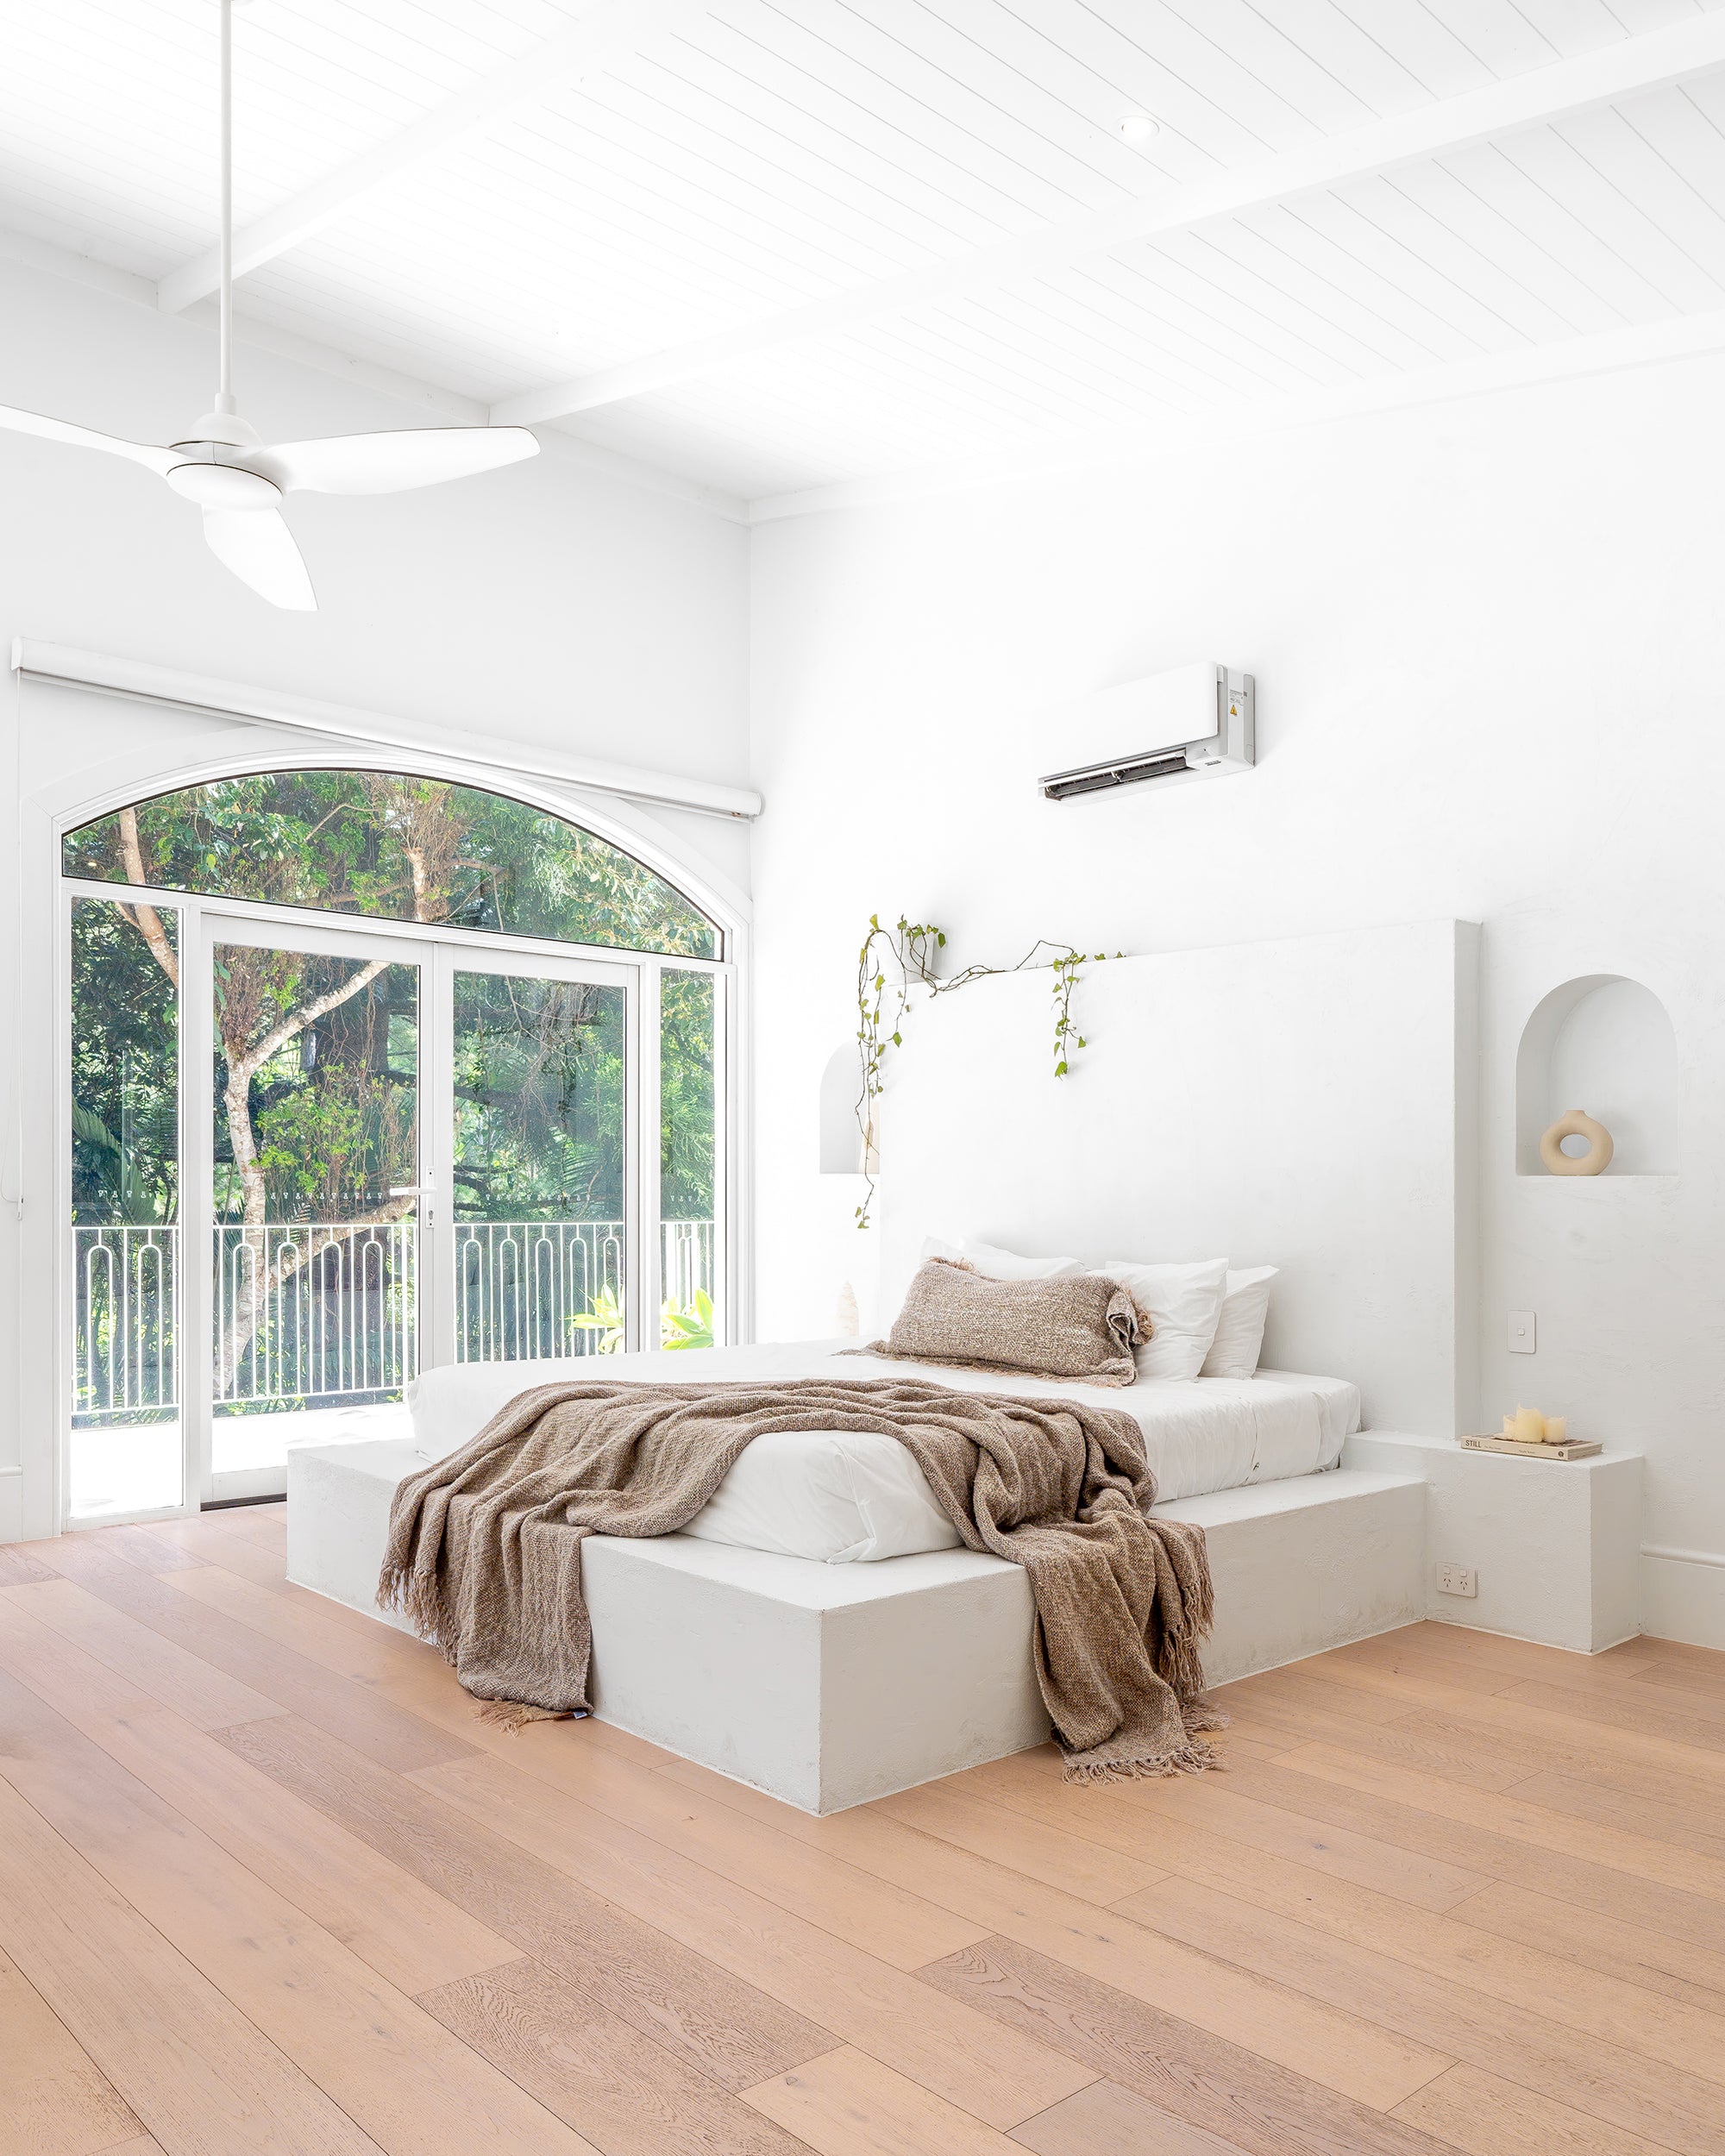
[[609, 30], [1563, 90]]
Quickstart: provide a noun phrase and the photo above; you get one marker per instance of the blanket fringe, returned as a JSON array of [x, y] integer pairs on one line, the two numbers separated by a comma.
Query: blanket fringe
[[1194, 1757], [513, 1715]]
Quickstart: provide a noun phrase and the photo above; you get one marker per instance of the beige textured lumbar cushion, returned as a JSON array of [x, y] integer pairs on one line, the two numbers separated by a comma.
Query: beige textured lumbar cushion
[[1085, 1326]]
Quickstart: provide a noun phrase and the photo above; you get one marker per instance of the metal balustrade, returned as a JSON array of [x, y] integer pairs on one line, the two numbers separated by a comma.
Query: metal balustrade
[[327, 1312], [313, 1312], [125, 1353]]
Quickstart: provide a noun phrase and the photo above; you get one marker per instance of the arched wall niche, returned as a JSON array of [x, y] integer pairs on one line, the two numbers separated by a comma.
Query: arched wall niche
[[841, 1152], [1604, 1043]]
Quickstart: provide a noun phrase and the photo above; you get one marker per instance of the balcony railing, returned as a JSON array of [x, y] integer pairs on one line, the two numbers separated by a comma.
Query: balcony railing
[[327, 1312]]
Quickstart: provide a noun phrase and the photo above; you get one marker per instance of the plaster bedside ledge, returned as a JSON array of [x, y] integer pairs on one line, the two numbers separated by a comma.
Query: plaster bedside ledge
[[1556, 1544]]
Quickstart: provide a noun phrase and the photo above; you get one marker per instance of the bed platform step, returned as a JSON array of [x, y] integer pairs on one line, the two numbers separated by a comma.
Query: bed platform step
[[829, 1684]]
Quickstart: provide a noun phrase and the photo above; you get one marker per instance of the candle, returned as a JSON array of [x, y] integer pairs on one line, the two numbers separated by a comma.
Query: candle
[[1530, 1425], [1556, 1429]]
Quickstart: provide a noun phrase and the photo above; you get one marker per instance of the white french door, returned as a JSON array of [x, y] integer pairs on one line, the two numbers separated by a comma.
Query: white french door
[[396, 1147]]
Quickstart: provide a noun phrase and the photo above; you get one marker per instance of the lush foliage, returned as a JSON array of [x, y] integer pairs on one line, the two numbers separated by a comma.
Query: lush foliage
[[895, 961], [125, 1075], [539, 1098], [396, 848]]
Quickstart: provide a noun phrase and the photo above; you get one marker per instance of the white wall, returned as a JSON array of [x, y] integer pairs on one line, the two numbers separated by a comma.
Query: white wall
[[1486, 643], [543, 604]]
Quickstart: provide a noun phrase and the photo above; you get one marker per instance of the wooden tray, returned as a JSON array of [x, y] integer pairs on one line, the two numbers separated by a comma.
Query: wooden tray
[[1571, 1449]]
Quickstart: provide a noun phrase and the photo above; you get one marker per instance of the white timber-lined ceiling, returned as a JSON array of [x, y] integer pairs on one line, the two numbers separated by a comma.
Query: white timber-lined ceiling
[[783, 249]]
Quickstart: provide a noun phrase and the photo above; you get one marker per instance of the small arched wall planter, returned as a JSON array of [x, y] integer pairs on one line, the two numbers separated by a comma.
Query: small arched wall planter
[[1604, 1043]]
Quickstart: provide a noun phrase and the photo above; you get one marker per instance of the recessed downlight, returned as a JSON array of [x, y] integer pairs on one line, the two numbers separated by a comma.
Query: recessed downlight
[[1138, 127]]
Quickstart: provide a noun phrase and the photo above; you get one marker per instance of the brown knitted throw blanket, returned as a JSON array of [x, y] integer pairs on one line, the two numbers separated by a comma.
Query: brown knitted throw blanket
[[484, 1557]]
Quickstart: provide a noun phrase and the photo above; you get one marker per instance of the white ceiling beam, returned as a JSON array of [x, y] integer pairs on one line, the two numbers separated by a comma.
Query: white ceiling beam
[[608, 30], [373, 375], [1563, 90], [1571, 358]]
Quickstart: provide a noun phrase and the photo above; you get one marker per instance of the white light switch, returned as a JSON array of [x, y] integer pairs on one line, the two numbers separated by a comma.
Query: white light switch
[[1522, 1332]]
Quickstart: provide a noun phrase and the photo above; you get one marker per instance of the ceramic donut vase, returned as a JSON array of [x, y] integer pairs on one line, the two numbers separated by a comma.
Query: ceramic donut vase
[[1575, 1124]]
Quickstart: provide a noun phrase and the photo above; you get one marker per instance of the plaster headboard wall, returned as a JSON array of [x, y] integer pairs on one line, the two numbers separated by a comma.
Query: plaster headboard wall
[[1308, 1103]]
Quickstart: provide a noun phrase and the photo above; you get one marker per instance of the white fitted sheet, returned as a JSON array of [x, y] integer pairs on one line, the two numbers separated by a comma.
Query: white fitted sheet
[[844, 1496]]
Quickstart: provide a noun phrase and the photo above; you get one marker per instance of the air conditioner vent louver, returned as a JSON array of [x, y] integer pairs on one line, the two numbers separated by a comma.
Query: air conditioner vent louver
[[1162, 766], [1196, 723]]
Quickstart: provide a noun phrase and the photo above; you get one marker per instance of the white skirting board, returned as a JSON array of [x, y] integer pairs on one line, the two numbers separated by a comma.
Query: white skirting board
[[1682, 1596], [829, 1684]]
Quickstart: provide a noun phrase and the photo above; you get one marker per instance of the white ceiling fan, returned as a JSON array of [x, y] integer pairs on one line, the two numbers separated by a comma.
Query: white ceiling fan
[[239, 481]]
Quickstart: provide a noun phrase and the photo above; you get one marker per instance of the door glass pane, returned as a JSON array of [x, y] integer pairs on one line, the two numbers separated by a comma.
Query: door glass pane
[[315, 1198], [689, 1149], [540, 1127], [126, 1452]]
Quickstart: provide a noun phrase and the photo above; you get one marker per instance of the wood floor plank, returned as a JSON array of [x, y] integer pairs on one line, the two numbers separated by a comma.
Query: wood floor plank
[[20, 1566], [1682, 1718], [200, 1694], [1467, 1642], [1696, 1826], [198, 2074], [1449, 1655], [1695, 1678], [1538, 1709], [1406, 1875], [726, 2028], [1582, 1999], [1540, 1869], [1586, 2001], [1520, 1753], [899, 1919], [1486, 2116], [1574, 1834], [351, 1712], [410, 1935], [150, 1549], [393, 2068], [1245, 2101], [1226, 1835], [1593, 2075], [1677, 1968], [846, 2103], [858, 1998], [54, 2099], [627, 2094], [1459, 1756], [1342, 2053], [1106, 2117], [1026, 1845]]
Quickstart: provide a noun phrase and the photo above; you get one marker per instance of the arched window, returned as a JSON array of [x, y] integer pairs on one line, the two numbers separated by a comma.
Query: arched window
[[392, 846], [340, 1107]]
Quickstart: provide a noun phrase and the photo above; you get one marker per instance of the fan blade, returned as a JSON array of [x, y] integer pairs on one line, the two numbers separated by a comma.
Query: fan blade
[[258, 546], [85, 438], [390, 463]]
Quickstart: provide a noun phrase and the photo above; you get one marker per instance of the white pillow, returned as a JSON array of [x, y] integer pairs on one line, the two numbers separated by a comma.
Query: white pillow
[[998, 1265], [1239, 1330], [1183, 1303]]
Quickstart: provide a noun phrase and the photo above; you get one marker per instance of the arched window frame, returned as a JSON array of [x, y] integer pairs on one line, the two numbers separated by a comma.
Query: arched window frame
[[613, 820]]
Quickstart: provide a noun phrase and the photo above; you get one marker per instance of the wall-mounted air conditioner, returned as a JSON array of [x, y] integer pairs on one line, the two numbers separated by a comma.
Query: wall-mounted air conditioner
[[1194, 722]]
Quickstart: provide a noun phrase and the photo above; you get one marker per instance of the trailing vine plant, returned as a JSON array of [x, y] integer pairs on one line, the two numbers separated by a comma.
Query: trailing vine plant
[[894, 960]]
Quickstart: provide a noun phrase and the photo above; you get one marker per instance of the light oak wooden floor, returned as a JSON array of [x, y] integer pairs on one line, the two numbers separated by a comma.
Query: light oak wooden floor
[[268, 1885]]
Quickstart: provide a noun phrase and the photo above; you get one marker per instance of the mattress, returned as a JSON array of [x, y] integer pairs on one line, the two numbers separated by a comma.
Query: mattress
[[850, 1496]]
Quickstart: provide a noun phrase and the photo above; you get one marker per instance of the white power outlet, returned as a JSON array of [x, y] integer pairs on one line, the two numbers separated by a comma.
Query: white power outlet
[[1458, 1579]]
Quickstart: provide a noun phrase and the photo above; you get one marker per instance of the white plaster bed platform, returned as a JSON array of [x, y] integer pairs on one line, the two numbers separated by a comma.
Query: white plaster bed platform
[[829, 1684]]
